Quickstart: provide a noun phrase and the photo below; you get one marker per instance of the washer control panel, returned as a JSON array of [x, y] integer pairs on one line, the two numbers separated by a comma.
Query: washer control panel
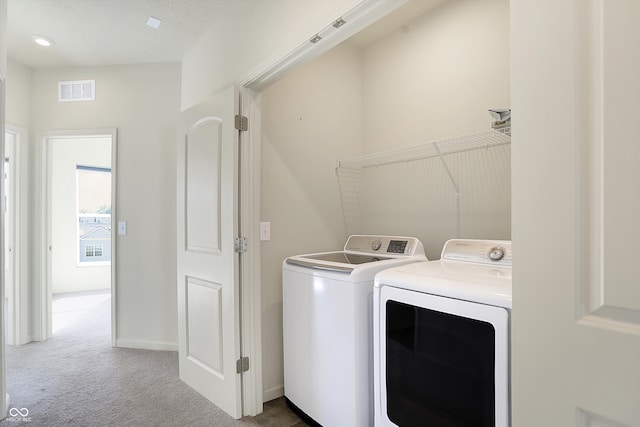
[[388, 245], [491, 252]]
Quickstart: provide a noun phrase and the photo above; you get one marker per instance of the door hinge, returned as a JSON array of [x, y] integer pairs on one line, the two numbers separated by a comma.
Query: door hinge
[[242, 365], [242, 123], [240, 244]]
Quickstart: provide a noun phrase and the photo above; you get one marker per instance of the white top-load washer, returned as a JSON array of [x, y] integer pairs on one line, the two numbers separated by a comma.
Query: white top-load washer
[[441, 338], [327, 327]]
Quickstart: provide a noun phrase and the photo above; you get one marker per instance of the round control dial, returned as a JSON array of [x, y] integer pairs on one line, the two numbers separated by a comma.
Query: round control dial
[[376, 245], [496, 253]]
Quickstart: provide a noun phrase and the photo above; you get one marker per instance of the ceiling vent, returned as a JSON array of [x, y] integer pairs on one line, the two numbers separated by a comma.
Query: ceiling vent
[[80, 90]]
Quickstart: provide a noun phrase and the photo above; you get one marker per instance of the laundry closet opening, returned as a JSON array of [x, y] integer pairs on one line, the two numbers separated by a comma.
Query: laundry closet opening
[[429, 71]]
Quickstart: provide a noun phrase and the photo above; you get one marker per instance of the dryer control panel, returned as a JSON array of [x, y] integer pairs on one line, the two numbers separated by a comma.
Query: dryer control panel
[[388, 245], [490, 252]]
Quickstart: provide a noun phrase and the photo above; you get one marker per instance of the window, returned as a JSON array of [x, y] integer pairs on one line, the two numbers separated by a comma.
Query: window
[[94, 215], [91, 251]]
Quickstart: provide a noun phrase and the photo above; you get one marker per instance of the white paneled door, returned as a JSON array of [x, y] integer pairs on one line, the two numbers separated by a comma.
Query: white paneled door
[[208, 315], [575, 74]]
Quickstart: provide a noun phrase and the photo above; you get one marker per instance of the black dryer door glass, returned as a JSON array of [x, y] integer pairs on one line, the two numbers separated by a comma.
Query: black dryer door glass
[[440, 368]]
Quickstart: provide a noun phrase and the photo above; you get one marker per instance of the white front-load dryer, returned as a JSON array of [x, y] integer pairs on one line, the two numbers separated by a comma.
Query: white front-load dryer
[[327, 327], [441, 338]]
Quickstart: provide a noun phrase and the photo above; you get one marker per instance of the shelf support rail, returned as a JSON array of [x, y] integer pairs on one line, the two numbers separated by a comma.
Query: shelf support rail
[[453, 183]]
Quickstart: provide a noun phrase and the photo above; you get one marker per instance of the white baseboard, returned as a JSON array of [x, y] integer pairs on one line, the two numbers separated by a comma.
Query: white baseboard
[[146, 345], [272, 393], [27, 339]]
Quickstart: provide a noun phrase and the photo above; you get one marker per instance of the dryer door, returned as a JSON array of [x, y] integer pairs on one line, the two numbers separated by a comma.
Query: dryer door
[[440, 361]]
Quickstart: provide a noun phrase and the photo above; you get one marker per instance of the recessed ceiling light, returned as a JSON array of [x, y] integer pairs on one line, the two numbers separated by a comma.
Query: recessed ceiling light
[[154, 22], [42, 40]]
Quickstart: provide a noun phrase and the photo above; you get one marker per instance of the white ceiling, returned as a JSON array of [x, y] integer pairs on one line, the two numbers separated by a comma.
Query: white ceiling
[[107, 32], [110, 32]]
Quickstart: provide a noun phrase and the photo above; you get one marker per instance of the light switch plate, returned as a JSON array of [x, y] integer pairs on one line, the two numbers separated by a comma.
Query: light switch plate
[[122, 228], [265, 231]]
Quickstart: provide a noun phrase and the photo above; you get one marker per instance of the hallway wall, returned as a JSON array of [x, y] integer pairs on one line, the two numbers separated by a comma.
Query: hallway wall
[[142, 102]]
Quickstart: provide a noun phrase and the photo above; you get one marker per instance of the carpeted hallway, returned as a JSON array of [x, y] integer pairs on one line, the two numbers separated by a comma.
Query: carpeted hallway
[[77, 379]]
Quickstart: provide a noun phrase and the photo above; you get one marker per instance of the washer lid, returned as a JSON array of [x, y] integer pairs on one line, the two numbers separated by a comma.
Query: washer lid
[[336, 261], [346, 257], [339, 261], [364, 252]]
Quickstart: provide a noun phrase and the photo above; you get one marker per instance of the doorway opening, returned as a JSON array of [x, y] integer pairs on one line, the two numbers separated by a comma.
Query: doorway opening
[[78, 188], [69, 310]]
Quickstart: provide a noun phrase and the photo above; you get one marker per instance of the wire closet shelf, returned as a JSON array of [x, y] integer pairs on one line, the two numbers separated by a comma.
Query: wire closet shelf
[[454, 181], [484, 140]]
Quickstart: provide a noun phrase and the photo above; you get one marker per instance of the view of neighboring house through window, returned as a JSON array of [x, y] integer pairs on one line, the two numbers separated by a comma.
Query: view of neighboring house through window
[[94, 215]]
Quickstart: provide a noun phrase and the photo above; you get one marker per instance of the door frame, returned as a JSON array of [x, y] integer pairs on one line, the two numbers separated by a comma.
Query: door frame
[[4, 396], [43, 285], [18, 333], [249, 152]]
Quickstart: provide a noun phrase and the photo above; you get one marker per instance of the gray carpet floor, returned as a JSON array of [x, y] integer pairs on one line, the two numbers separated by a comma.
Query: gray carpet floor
[[77, 379]]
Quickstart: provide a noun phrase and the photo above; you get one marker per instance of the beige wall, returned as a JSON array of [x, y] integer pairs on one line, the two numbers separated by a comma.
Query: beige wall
[[3, 47], [142, 102], [435, 78], [66, 274], [309, 119], [18, 101], [229, 52]]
